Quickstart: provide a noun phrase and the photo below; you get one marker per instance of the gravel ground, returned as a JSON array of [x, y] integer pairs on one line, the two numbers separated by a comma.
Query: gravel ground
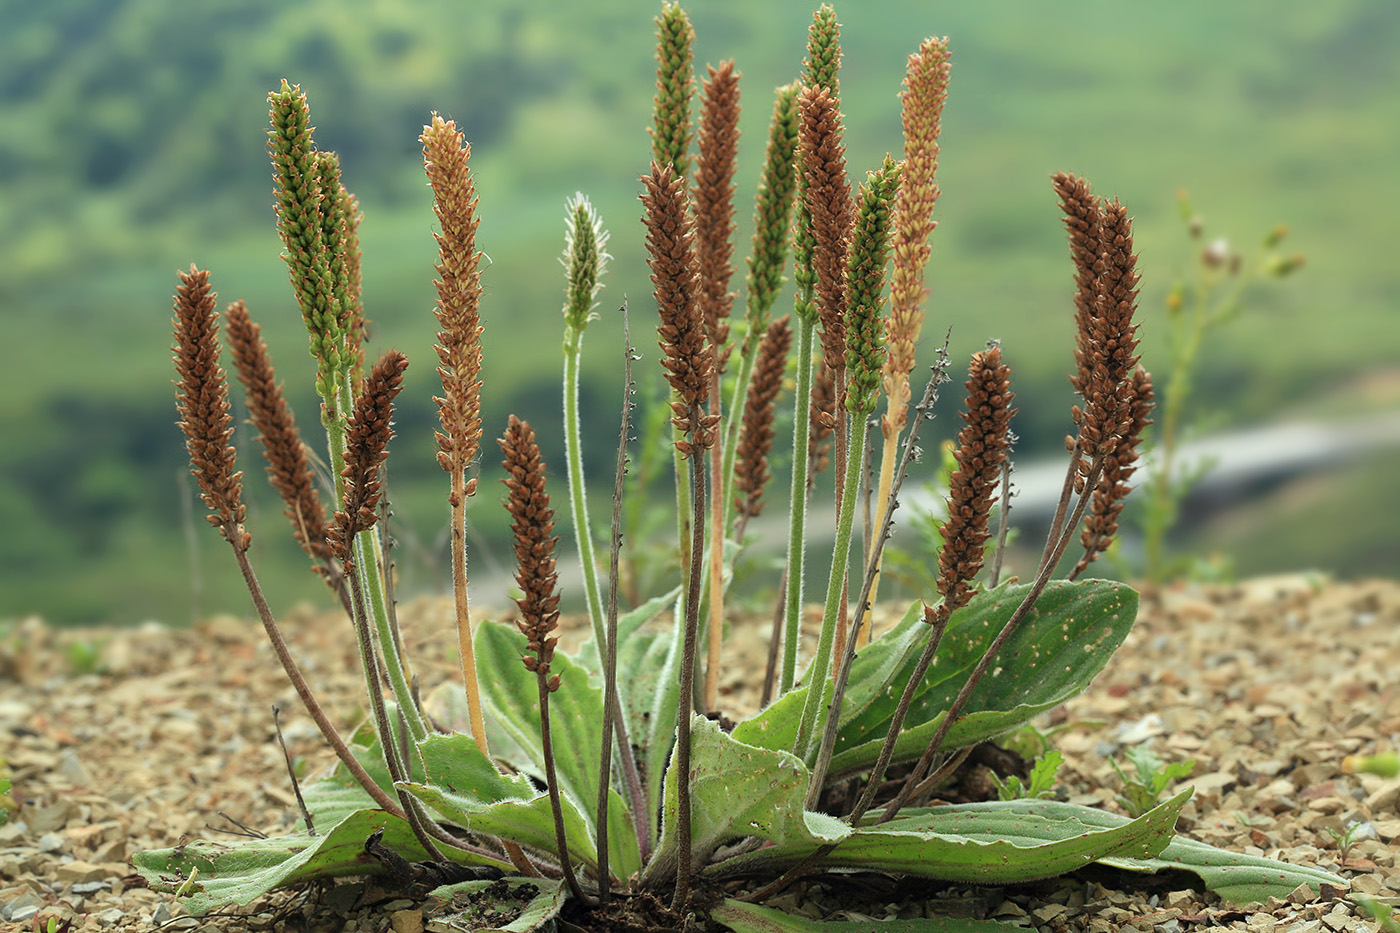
[[119, 740]]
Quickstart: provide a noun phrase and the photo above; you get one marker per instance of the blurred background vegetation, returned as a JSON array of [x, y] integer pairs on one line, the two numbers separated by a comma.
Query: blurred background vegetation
[[131, 144]]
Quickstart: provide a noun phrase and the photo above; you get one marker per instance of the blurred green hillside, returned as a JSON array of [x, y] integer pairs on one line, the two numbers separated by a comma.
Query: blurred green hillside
[[131, 144]]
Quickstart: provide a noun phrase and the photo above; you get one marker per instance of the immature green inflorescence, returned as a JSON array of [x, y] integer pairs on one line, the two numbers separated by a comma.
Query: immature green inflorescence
[[297, 173], [675, 86], [865, 286], [773, 210], [584, 259]]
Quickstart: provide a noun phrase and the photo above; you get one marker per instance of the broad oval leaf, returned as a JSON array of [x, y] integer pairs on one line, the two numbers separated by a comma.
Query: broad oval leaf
[[205, 875], [994, 844], [1056, 651]]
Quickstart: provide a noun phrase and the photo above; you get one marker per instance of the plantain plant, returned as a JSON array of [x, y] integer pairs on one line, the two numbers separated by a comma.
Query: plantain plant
[[651, 798]]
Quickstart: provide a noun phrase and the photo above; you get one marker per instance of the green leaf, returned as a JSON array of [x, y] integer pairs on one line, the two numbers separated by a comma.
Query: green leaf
[[990, 843], [484, 906], [737, 791], [575, 714], [872, 672], [467, 789], [205, 875], [1058, 649], [751, 918], [1239, 878], [656, 703]]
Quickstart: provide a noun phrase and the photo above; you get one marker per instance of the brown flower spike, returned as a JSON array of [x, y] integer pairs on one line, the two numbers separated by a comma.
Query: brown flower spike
[[366, 447], [1101, 242], [445, 156], [201, 397], [828, 198], [756, 441], [532, 522], [714, 203], [982, 448], [1101, 523], [288, 469], [681, 334]]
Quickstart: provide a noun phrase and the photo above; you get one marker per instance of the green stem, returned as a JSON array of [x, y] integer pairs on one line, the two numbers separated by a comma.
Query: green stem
[[792, 633], [818, 683], [368, 558], [578, 500]]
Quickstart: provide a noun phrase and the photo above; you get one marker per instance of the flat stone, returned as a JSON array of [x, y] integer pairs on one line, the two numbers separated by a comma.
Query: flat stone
[[77, 872], [406, 921], [21, 908]]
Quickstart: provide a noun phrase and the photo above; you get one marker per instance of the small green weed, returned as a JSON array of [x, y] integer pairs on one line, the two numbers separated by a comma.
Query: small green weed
[[1039, 785], [1150, 778]]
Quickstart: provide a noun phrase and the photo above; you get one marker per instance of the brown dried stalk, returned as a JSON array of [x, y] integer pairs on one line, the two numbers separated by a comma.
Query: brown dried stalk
[[532, 523], [756, 441], [445, 158], [288, 468], [366, 447], [367, 435], [1101, 524]]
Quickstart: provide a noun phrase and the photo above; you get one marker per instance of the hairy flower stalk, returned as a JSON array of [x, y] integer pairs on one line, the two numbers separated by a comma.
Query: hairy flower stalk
[[772, 232], [288, 468], [671, 135], [532, 524], [445, 158], [1101, 523], [201, 395], [863, 357], [821, 68], [756, 442], [982, 449], [688, 361], [675, 86], [925, 91], [311, 220], [585, 259], [714, 248], [368, 431]]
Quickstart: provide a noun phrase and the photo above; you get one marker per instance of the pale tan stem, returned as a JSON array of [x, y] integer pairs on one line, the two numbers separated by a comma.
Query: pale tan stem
[[889, 453], [464, 618]]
